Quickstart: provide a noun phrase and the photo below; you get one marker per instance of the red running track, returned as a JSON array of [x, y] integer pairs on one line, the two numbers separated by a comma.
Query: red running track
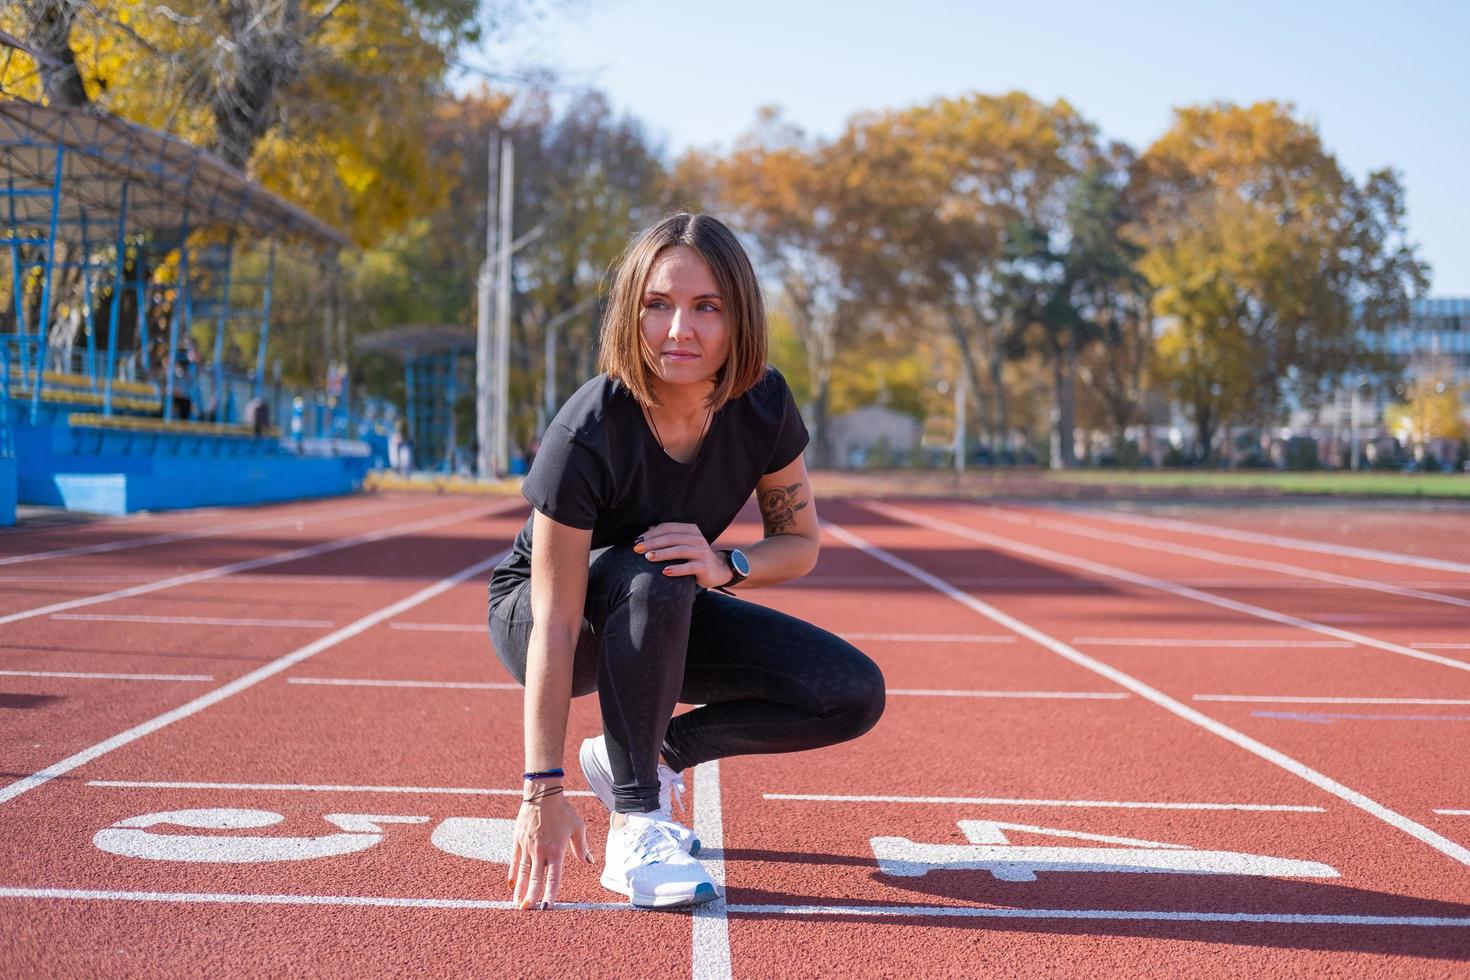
[[1110, 748]]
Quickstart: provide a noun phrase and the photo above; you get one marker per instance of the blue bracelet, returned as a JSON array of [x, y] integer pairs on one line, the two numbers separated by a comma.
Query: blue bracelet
[[544, 774]]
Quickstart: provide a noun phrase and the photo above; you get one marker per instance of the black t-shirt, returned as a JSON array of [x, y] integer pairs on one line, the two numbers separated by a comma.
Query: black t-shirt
[[601, 468]]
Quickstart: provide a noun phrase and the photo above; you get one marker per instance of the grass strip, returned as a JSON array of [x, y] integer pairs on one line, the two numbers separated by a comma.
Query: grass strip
[[1376, 484]]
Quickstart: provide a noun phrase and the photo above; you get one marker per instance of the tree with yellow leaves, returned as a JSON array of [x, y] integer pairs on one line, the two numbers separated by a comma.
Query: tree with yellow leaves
[[958, 191], [805, 206], [318, 99], [1268, 260], [1431, 409]]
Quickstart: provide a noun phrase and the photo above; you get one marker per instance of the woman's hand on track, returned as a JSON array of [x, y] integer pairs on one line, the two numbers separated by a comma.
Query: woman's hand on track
[[544, 831], [672, 542]]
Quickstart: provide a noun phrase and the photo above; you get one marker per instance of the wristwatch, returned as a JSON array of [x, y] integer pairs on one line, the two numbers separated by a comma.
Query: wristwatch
[[739, 566]]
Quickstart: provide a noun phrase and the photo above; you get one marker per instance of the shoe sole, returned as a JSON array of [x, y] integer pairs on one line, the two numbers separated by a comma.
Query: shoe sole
[[589, 765], [703, 892]]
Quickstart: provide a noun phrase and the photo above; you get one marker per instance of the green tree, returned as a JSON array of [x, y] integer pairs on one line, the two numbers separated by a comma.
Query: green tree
[[586, 181], [591, 180], [1112, 295], [950, 183]]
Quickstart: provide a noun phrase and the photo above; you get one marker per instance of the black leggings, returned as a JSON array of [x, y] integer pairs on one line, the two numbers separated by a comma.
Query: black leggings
[[766, 682]]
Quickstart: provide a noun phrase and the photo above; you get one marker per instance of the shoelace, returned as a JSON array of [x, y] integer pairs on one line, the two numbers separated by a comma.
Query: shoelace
[[656, 841], [673, 783]]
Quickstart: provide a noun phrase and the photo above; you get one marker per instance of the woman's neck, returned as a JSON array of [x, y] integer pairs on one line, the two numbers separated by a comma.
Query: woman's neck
[[682, 404]]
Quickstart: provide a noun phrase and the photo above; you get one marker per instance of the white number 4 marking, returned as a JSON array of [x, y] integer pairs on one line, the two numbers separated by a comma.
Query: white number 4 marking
[[479, 838], [990, 850]]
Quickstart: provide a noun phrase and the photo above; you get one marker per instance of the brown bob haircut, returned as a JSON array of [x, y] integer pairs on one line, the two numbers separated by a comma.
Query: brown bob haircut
[[625, 356]]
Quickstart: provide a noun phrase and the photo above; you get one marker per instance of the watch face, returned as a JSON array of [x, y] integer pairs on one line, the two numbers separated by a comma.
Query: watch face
[[739, 562]]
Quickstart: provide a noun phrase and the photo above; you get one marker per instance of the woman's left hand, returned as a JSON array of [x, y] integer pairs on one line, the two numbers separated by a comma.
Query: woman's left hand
[[685, 544]]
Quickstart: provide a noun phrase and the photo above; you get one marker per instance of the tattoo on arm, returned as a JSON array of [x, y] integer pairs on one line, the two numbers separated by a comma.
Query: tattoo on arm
[[779, 506]]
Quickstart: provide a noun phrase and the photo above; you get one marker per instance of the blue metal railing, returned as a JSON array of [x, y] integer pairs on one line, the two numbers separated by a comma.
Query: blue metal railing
[[213, 395], [7, 446]]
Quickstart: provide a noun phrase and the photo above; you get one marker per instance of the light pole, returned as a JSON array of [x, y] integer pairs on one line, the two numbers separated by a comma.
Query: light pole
[[548, 388], [492, 346], [484, 459], [1353, 426], [501, 460], [959, 422], [1356, 418]]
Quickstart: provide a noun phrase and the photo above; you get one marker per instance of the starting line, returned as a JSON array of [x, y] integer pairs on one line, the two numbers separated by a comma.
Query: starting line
[[319, 788], [856, 911]]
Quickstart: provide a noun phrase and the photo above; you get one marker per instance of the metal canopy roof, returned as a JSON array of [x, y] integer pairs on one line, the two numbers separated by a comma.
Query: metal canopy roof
[[171, 184]]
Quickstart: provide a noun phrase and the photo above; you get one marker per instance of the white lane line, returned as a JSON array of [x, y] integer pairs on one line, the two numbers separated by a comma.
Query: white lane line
[[1112, 915], [261, 579], [373, 682], [221, 571], [1009, 583], [1220, 558], [1394, 819], [1127, 641], [196, 621], [1441, 646], [1083, 804], [105, 677], [711, 929], [510, 686], [1328, 717], [1454, 813], [930, 637], [249, 680], [204, 532], [29, 578], [439, 627], [1302, 699], [1148, 582], [1276, 540], [838, 581], [1041, 695], [319, 788], [268, 578], [703, 913], [227, 898]]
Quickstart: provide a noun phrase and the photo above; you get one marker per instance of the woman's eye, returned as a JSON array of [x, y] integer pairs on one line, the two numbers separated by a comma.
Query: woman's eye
[[707, 308]]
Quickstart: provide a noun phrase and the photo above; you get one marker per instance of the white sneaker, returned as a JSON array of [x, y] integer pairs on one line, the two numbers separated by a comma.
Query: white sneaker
[[598, 771], [646, 863]]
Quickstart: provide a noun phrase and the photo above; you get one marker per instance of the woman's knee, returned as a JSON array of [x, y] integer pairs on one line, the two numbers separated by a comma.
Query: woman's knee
[[623, 574], [649, 586], [862, 699]]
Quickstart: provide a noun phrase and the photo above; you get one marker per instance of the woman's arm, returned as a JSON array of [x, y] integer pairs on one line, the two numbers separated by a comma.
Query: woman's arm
[[789, 549], [793, 537], [558, 592], [548, 824]]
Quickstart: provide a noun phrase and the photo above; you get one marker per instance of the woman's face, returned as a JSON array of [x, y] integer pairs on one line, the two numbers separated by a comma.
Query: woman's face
[[683, 318]]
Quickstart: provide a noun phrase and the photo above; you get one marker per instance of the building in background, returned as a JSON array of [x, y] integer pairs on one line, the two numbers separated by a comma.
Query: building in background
[[1436, 339], [1434, 343], [874, 436]]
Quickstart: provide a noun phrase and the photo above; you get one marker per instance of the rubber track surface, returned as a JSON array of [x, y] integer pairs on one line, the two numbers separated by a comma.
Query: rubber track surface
[[1032, 655]]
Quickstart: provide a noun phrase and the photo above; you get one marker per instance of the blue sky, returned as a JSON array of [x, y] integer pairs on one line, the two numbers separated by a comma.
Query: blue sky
[[1386, 84]]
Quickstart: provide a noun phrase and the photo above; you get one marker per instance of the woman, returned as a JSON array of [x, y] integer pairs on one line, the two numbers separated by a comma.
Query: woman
[[613, 586]]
